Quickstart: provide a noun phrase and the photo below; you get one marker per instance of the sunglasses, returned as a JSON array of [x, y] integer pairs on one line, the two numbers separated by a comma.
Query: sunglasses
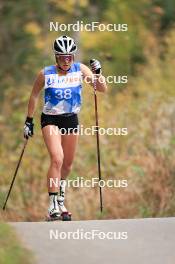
[[64, 58]]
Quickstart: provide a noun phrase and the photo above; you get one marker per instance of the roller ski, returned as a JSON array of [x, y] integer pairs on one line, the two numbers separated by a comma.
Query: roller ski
[[54, 213], [57, 210], [65, 215]]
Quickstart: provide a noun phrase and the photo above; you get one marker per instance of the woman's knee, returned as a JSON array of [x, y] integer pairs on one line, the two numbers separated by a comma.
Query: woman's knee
[[67, 167], [57, 160]]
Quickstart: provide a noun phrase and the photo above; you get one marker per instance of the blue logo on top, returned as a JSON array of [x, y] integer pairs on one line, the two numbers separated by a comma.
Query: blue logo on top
[[50, 82]]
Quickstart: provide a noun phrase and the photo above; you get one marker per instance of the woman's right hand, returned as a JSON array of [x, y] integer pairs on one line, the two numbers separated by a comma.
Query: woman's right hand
[[28, 127]]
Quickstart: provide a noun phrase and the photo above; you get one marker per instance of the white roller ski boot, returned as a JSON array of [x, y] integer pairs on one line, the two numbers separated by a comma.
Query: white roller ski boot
[[66, 216], [53, 210]]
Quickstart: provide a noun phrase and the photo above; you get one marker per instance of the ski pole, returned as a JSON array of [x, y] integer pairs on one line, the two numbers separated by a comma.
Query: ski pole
[[15, 174], [98, 142]]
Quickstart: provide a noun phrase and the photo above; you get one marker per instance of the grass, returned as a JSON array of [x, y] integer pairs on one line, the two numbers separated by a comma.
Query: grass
[[11, 250]]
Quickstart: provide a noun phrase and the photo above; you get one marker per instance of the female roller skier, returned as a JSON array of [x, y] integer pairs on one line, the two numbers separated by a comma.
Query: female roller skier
[[62, 86]]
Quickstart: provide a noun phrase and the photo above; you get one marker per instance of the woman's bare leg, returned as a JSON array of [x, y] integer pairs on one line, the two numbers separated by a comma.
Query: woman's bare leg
[[53, 143], [69, 143]]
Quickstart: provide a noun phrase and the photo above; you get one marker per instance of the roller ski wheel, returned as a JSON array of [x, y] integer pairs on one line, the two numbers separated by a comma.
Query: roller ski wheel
[[54, 217], [66, 216]]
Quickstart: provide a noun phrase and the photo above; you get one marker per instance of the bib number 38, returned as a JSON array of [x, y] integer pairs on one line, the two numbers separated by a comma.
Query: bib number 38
[[66, 94]]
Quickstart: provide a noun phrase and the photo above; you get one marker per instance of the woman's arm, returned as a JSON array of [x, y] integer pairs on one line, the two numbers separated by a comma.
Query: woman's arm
[[37, 87], [88, 77]]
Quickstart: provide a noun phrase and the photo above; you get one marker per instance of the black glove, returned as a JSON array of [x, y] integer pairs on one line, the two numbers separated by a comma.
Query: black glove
[[28, 127], [96, 66]]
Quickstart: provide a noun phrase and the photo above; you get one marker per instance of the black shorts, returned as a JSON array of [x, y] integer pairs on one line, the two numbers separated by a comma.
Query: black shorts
[[67, 122]]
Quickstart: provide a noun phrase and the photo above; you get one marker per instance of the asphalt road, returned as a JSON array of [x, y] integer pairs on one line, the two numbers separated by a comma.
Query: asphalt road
[[137, 241]]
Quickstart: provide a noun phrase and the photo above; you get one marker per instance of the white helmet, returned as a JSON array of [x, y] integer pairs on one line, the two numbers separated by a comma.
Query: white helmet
[[64, 45]]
